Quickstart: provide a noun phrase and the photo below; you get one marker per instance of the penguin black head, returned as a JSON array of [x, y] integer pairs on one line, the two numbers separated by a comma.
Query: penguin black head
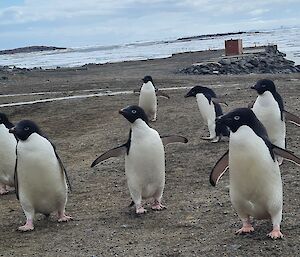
[[147, 79], [4, 120], [134, 112], [201, 90], [264, 85], [239, 117], [24, 129]]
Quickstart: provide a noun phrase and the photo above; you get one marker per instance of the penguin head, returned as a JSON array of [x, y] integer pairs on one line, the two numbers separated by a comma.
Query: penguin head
[[24, 129], [264, 85], [237, 118], [134, 112], [147, 79], [200, 90], [4, 120]]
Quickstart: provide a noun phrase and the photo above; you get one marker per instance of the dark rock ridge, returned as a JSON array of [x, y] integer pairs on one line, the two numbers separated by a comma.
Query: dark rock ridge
[[254, 60], [29, 49], [217, 35]]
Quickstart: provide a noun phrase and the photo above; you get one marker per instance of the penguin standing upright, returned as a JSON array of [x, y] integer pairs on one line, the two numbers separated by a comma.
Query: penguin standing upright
[[148, 99], [144, 159], [8, 144], [254, 175], [41, 180], [269, 108], [210, 109]]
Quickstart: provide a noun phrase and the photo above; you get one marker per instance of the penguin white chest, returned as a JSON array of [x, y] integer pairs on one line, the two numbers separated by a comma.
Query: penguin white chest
[[206, 109], [255, 181], [41, 182], [267, 111], [7, 156], [145, 163], [147, 99]]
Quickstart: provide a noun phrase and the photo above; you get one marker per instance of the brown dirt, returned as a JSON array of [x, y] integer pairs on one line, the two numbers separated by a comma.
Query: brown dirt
[[199, 221]]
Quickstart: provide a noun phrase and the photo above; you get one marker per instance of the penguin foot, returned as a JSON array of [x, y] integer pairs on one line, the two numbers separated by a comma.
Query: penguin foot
[[64, 218], [27, 227], [207, 138], [275, 234], [216, 140], [140, 210], [245, 229], [157, 206]]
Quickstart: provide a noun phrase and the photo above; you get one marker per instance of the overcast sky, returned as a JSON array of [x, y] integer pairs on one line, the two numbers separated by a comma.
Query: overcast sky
[[72, 23]]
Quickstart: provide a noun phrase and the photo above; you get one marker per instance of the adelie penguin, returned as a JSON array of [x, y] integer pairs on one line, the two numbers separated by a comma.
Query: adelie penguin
[[8, 144], [269, 109], [210, 109], [144, 159], [40, 177], [148, 99], [254, 176]]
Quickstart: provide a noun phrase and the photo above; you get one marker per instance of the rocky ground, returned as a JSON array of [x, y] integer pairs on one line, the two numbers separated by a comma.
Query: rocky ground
[[199, 220], [257, 60]]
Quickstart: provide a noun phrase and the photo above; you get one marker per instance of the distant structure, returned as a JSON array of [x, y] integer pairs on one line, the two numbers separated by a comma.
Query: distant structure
[[233, 47]]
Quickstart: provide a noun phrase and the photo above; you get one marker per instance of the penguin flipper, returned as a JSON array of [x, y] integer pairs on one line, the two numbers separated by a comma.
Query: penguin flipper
[[16, 179], [115, 152], [285, 154], [219, 169], [63, 169], [162, 94], [173, 139], [292, 118]]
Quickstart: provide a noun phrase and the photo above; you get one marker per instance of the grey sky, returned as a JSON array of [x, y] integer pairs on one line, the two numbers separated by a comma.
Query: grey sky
[[74, 23]]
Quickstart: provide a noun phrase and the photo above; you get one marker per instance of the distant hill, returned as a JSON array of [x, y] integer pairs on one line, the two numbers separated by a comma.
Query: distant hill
[[217, 35], [29, 49]]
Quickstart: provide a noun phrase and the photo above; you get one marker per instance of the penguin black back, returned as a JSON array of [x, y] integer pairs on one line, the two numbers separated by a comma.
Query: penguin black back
[[208, 92]]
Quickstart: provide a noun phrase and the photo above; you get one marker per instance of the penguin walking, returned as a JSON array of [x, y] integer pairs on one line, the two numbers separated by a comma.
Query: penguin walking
[[254, 174], [210, 108], [148, 99], [41, 180], [269, 109], [144, 159], [8, 144]]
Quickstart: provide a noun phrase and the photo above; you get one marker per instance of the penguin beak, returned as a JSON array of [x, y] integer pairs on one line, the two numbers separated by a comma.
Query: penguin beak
[[253, 87], [188, 94], [12, 130], [223, 120], [122, 111]]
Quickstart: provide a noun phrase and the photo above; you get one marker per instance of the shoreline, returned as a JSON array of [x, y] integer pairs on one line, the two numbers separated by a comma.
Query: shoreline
[[32, 49], [206, 59]]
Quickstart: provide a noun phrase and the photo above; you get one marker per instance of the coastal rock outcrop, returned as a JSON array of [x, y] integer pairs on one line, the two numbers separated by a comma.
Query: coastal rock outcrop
[[29, 49], [263, 60]]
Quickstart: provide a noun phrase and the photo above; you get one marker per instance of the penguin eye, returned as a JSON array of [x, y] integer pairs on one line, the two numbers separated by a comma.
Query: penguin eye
[[133, 111], [236, 117], [263, 85], [26, 128]]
